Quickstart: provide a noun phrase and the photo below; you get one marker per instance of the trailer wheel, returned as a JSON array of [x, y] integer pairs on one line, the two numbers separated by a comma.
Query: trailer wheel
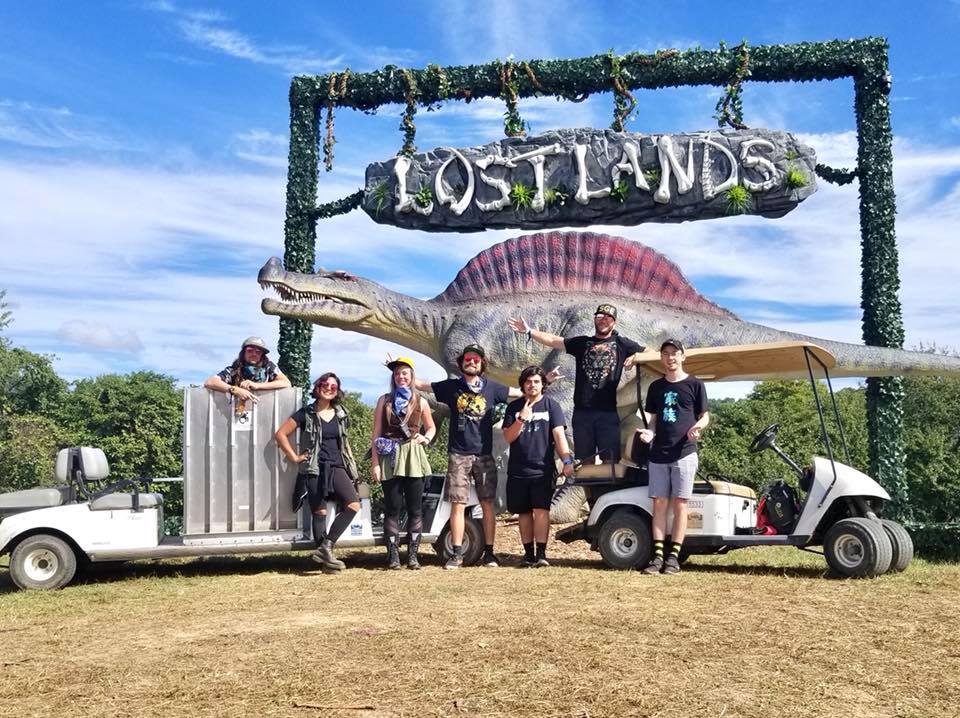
[[858, 548], [42, 562], [902, 545], [472, 542], [625, 541]]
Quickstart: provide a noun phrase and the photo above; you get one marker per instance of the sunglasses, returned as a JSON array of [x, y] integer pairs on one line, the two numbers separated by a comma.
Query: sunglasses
[[472, 358], [329, 385]]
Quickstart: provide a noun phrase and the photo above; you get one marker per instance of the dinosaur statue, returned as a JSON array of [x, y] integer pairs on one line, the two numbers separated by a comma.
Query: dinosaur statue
[[554, 280]]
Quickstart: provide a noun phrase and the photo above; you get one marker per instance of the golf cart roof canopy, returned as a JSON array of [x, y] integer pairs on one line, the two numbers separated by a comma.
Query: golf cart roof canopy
[[781, 360]]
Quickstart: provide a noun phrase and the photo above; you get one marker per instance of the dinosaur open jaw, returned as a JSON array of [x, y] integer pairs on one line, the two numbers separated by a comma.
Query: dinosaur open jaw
[[310, 303]]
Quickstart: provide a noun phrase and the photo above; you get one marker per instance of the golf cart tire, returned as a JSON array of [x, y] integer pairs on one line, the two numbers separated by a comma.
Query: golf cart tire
[[42, 563], [901, 543], [625, 541], [566, 504], [472, 542], [858, 548]]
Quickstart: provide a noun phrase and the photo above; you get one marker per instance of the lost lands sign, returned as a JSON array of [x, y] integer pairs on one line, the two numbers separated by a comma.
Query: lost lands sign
[[579, 177]]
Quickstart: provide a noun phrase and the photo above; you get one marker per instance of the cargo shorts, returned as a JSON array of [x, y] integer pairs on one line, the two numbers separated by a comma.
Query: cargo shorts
[[461, 468]]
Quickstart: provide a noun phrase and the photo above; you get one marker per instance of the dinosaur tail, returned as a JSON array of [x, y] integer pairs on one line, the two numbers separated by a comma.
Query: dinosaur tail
[[860, 360]]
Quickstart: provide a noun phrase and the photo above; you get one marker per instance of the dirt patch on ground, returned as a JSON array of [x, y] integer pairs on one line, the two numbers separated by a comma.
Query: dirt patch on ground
[[761, 632]]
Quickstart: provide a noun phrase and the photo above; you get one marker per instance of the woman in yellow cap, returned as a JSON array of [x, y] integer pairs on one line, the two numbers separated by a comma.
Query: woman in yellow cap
[[402, 427]]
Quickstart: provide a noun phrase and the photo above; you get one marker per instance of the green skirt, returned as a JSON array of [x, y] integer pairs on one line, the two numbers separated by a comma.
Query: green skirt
[[410, 460]]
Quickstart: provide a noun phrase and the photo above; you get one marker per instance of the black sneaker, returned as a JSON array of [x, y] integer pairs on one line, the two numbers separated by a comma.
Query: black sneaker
[[528, 562], [653, 568], [454, 562], [671, 566], [542, 562], [490, 560]]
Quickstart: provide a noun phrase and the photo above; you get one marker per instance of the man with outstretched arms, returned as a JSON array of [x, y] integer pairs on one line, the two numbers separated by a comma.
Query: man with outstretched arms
[[534, 427], [601, 360], [471, 398], [676, 409]]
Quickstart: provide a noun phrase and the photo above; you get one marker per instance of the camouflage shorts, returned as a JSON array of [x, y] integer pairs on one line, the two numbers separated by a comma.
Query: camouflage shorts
[[461, 468]]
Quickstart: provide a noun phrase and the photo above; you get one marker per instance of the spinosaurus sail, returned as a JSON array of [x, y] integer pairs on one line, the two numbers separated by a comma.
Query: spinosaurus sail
[[554, 280]]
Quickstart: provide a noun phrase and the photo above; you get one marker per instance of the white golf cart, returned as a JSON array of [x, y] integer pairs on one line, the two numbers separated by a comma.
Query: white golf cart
[[237, 500], [840, 511]]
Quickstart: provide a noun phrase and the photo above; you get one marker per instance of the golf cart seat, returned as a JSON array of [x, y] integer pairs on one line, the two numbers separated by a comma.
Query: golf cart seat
[[86, 465], [17, 502], [726, 488], [626, 470]]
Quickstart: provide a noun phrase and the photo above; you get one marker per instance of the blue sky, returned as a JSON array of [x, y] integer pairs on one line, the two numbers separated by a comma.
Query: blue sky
[[143, 164]]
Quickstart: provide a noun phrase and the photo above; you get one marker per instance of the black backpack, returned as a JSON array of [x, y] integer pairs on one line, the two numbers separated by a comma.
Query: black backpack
[[781, 506]]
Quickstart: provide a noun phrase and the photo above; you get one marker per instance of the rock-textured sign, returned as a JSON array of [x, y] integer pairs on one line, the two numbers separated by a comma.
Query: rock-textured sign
[[580, 177]]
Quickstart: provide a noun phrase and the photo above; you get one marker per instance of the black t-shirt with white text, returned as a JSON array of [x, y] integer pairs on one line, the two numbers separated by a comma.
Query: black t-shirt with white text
[[599, 368], [471, 413], [531, 453], [677, 406]]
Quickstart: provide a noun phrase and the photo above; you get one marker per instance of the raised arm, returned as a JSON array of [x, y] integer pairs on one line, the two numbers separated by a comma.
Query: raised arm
[[520, 326]]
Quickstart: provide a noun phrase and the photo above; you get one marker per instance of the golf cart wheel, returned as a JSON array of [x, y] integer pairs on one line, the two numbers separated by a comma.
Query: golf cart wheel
[[858, 548], [472, 546], [901, 543], [625, 541], [42, 562]]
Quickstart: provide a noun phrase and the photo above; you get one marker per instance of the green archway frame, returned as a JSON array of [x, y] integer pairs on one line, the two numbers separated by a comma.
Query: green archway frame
[[864, 60]]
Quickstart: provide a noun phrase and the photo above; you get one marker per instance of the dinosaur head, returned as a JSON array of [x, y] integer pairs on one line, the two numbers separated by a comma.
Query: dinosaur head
[[334, 299], [342, 300]]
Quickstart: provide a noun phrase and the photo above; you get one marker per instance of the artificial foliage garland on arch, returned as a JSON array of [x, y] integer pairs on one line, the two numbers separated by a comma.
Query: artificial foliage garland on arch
[[864, 60]]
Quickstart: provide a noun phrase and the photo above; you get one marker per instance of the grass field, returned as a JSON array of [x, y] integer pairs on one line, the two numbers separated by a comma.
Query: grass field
[[760, 632]]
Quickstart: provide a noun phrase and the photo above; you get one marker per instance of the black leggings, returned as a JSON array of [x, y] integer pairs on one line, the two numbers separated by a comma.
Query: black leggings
[[395, 492]]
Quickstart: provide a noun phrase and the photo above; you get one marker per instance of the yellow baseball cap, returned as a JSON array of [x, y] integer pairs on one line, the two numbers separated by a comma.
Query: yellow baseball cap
[[401, 361]]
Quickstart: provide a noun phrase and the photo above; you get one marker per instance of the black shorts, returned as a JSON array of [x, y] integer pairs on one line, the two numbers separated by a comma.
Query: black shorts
[[341, 488], [525, 495]]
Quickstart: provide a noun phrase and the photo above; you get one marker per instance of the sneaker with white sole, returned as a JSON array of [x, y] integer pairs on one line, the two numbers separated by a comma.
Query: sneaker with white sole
[[671, 566], [454, 562], [490, 560], [654, 567]]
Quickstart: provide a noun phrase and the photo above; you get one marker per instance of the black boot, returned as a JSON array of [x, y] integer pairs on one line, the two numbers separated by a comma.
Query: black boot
[[393, 553], [413, 561], [325, 557]]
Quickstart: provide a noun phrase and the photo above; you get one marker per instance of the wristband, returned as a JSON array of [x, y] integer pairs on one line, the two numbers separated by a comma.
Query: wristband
[[568, 461]]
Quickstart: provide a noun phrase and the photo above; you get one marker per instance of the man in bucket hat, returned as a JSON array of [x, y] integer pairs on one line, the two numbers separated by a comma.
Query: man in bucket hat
[[601, 360], [251, 371]]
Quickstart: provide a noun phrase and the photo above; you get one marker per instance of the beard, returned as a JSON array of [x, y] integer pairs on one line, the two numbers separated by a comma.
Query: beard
[[603, 333], [470, 370]]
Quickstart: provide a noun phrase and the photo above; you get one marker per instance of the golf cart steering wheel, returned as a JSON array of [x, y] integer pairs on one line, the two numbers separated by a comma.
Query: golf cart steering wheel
[[765, 439]]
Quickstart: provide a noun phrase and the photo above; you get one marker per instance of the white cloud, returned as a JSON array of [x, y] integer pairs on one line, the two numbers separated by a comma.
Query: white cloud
[[209, 30], [96, 335], [30, 125], [261, 147]]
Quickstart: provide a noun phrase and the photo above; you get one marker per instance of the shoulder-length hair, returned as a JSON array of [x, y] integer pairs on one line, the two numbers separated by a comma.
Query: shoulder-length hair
[[315, 391]]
